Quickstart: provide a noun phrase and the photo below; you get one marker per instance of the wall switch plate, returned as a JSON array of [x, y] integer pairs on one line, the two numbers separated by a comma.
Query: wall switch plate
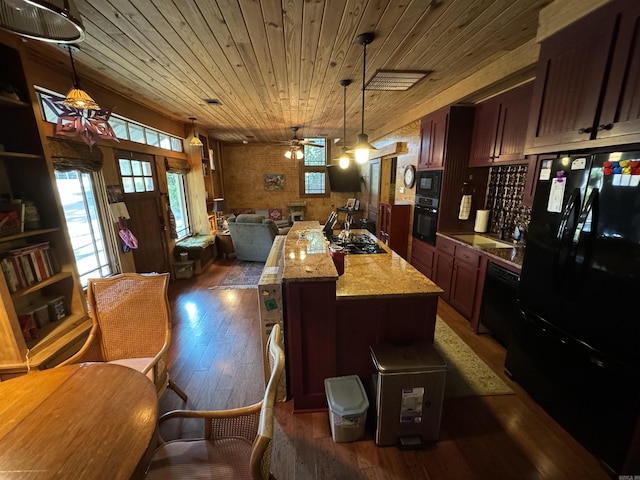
[[401, 189]]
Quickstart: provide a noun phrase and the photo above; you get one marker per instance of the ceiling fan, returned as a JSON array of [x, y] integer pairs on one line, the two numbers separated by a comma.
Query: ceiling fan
[[297, 143]]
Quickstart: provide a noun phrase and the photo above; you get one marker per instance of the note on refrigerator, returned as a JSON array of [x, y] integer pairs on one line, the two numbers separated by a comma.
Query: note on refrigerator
[[556, 195]]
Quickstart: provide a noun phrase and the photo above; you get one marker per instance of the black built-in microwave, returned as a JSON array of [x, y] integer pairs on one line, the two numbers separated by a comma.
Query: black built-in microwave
[[428, 183]]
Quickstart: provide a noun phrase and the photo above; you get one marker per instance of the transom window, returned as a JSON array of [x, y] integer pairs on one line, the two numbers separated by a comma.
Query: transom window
[[313, 171]]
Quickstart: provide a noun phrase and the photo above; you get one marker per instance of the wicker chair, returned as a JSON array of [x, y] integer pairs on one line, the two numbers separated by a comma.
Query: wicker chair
[[237, 442], [131, 326]]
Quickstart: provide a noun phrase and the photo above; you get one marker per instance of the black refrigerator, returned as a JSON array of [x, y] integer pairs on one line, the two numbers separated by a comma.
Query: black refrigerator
[[575, 341]]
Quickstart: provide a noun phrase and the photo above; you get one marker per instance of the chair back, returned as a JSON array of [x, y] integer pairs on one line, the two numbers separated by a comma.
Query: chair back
[[261, 453], [130, 312]]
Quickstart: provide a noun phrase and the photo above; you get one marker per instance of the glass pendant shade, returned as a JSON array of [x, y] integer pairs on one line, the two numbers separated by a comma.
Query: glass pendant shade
[[195, 141], [56, 21], [78, 98], [362, 148], [344, 160]]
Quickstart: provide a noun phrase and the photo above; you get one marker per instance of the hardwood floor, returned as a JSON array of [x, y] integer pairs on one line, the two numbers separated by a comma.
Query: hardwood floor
[[215, 357]]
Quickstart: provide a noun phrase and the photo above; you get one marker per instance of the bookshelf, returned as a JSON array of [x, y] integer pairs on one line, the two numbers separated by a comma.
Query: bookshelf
[[26, 174]]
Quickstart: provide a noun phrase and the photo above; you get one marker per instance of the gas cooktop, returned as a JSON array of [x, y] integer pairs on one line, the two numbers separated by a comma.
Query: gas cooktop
[[355, 244]]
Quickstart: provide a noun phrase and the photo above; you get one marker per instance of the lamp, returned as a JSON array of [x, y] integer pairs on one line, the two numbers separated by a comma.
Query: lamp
[[195, 141], [344, 160], [218, 206], [295, 152], [76, 97], [362, 146], [56, 21]]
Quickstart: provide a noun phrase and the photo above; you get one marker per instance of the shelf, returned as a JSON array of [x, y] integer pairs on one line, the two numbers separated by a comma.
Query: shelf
[[28, 233], [20, 155], [13, 103], [40, 285]]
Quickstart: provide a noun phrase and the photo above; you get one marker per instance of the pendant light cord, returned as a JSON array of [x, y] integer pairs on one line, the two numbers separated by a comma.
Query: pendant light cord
[[73, 69], [364, 68], [344, 113]]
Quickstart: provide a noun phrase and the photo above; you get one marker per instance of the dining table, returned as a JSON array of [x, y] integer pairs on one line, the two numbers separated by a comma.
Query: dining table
[[83, 421]]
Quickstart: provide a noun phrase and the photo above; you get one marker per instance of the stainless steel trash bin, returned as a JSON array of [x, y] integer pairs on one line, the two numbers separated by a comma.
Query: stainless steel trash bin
[[409, 389]]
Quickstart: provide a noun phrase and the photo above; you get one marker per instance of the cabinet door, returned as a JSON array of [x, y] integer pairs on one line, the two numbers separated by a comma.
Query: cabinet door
[[439, 138], [464, 281], [433, 138], [621, 110], [425, 143], [569, 78], [485, 130], [443, 271], [514, 120]]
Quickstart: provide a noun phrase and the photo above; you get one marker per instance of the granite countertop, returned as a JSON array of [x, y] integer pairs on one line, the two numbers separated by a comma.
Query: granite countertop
[[511, 256], [307, 258]]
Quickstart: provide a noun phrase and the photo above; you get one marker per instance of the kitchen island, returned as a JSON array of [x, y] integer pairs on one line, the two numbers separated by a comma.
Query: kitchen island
[[331, 321]]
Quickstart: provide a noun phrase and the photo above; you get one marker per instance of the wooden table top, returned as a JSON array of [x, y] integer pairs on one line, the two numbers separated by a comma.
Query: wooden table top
[[85, 421]]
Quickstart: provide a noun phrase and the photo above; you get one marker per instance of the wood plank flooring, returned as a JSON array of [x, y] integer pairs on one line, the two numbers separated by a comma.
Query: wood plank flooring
[[215, 357]]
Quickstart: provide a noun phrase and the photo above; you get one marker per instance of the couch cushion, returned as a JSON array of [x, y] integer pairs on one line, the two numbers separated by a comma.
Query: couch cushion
[[249, 218]]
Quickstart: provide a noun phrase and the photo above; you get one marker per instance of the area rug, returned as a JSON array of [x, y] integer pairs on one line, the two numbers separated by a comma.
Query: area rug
[[467, 374], [241, 275]]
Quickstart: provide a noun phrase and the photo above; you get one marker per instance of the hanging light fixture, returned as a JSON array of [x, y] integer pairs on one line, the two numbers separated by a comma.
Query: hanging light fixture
[[195, 141], [294, 152], [76, 97], [56, 21], [362, 146], [345, 159]]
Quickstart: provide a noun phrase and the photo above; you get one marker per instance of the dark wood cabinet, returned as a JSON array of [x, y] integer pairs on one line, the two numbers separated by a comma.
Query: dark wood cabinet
[[433, 139], [588, 83], [500, 128], [393, 224], [464, 280], [458, 271], [423, 257]]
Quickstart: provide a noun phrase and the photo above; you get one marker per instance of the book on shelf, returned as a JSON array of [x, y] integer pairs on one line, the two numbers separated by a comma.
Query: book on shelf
[[25, 266]]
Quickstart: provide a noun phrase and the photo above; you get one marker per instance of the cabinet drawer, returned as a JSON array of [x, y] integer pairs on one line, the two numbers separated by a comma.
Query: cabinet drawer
[[421, 252], [445, 245], [468, 256]]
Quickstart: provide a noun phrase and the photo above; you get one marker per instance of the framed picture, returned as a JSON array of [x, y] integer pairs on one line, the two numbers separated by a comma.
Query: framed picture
[[274, 182], [351, 202]]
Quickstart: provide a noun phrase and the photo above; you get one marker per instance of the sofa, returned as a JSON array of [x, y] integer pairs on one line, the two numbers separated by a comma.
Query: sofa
[[252, 236]]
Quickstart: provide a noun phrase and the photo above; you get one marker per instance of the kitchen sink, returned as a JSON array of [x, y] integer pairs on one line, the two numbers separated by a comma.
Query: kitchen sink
[[481, 241]]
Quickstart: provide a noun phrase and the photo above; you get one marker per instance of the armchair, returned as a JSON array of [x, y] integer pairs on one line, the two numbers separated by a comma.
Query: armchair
[[131, 326], [252, 236], [237, 442]]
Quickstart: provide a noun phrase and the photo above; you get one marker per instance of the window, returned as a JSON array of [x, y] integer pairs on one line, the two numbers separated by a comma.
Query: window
[[178, 203], [124, 128], [81, 212], [137, 175], [313, 171]]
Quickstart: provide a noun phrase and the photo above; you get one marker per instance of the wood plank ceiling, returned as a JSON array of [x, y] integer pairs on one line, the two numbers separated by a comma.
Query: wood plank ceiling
[[276, 64]]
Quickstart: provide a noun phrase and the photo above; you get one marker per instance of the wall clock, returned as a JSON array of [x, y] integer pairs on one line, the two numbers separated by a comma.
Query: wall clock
[[409, 176]]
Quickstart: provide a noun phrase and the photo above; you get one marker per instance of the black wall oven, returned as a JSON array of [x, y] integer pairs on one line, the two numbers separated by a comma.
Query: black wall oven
[[425, 219]]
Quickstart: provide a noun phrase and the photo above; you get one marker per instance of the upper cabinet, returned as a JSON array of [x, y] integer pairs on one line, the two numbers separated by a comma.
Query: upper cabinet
[[500, 128], [587, 84], [433, 137]]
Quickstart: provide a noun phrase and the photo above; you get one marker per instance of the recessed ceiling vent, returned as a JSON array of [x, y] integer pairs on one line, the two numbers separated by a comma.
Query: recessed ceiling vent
[[213, 101], [395, 80]]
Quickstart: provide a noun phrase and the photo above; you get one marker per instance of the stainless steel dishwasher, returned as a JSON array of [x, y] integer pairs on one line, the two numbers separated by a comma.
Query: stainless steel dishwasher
[[498, 302]]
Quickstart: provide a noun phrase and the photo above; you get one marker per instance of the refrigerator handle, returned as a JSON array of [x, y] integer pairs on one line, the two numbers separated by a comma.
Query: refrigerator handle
[[566, 231], [587, 232]]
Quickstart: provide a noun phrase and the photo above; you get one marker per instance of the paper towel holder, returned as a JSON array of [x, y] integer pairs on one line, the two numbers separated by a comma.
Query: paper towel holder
[[482, 221]]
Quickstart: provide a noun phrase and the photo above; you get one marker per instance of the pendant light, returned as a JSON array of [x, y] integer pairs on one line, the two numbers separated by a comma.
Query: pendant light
[[76, 97], [345, 159], [56, 21], [195, 141], [362, 146]]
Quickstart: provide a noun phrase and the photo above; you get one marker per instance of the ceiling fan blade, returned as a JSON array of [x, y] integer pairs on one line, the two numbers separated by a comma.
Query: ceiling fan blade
[[311, 144]]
